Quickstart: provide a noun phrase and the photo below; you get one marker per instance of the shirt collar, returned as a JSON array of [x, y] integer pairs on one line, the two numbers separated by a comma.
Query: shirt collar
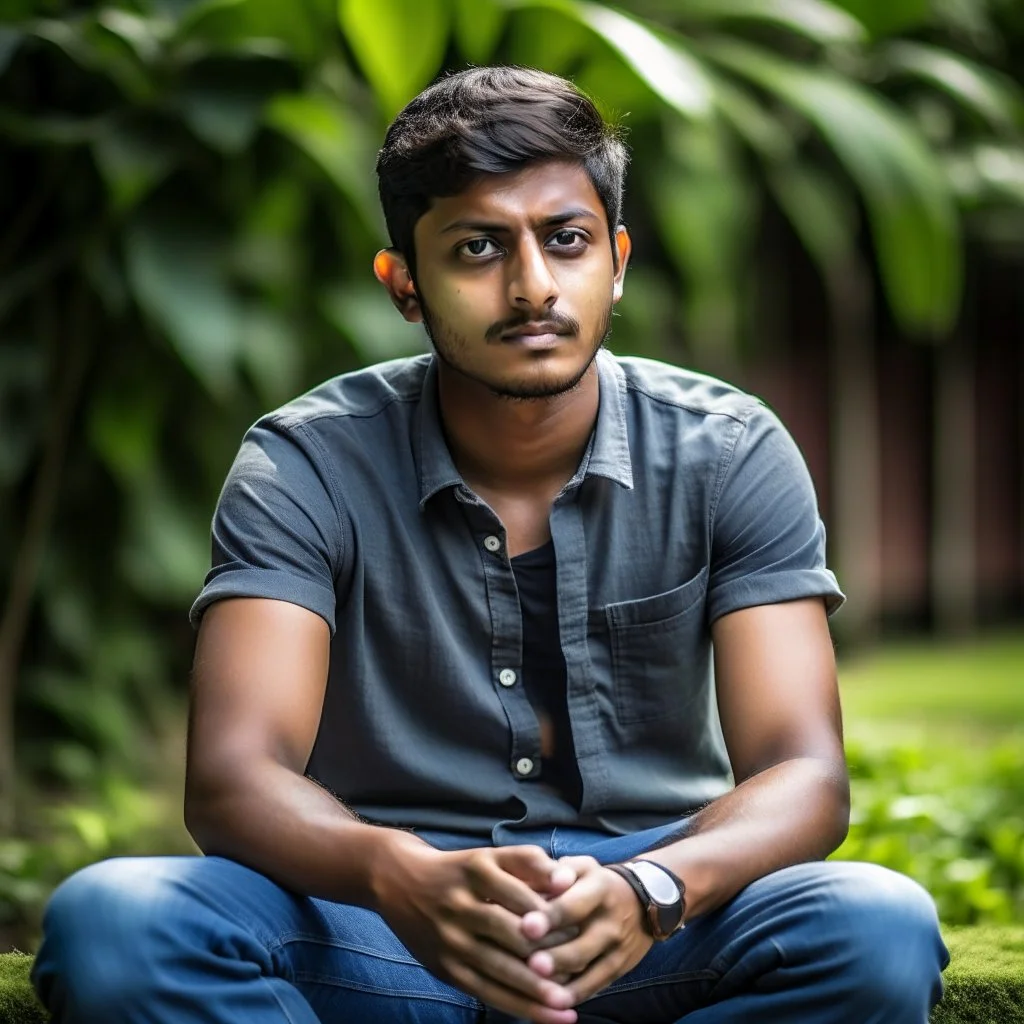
[[607, 454]]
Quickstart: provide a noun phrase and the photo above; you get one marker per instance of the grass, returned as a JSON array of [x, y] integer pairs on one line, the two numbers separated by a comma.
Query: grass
[[951, 694]]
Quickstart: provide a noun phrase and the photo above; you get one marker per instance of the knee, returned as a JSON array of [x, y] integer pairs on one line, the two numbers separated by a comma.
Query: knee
[[101, 928], [885, 928]]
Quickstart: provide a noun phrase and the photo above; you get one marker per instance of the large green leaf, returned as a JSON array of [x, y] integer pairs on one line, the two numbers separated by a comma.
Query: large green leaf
[[668, 69], [995, 99], [548, 36], [176, 271], [335, 140], [478, 24], [260, 26], [885, 17], [820, 210], [399, 44], [706, 212], [911, 208], [816, 19]]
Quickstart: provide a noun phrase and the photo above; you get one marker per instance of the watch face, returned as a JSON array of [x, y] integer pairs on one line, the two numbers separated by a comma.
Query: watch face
[[661, 887]]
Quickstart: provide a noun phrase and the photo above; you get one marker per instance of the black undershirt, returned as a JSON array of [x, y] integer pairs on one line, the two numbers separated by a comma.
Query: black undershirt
[[543, 671]]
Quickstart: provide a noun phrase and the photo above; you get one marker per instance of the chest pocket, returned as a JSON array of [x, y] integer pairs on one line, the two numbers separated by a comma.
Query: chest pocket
[[659, 646]]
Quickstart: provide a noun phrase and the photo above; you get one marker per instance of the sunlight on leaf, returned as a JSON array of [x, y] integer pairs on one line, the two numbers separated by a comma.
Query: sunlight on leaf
[[399, 44], [979, 89], [671, 72], [910, 204], [815, 19]]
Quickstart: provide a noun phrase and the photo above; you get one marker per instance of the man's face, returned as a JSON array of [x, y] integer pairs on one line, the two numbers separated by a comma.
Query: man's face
[[515, 279]]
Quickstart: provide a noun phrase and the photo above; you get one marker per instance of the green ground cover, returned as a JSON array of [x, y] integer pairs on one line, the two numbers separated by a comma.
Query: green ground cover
[[956, 690], [935, 743]]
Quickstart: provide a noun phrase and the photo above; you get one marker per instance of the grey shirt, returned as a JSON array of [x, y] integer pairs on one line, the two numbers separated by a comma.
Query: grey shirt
[[691, 501]]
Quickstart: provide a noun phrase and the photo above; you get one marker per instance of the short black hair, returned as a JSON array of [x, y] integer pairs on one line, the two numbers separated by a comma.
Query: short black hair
[[492, 120]]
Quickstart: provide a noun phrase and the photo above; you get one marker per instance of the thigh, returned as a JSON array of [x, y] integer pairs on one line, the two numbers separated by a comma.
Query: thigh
[[784, 943], [211, 915]]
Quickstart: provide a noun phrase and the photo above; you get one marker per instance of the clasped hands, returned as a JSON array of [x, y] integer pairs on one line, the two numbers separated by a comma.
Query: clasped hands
[[522, 932]]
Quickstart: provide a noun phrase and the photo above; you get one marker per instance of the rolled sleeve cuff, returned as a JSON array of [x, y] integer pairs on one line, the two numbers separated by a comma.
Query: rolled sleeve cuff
[[773, 588], [268, 583]]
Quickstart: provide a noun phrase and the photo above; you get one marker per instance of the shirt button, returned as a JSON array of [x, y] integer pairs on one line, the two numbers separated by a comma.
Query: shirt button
[[507, 678], [492, 543], [524, 766]]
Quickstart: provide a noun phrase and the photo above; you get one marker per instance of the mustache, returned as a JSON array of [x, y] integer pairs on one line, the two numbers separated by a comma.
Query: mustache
[[562, 322]]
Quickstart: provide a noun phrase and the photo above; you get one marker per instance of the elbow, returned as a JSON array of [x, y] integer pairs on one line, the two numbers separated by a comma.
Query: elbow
[[206, 814], [839, 788]]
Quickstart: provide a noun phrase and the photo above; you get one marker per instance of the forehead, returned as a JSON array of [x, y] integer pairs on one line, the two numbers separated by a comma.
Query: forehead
[[532, 194]]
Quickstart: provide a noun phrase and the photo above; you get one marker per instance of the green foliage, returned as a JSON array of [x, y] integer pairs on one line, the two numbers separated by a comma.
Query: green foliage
[[954, 824], [187, 222], [122, 816]]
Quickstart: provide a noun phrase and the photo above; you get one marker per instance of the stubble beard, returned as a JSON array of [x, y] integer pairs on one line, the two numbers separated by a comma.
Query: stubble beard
[[449, 345]]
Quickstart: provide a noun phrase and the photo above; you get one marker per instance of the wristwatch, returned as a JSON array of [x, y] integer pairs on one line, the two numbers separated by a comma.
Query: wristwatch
[[662, 895]]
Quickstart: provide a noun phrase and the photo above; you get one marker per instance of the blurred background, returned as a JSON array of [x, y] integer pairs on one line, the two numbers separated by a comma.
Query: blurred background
[[827, 207]]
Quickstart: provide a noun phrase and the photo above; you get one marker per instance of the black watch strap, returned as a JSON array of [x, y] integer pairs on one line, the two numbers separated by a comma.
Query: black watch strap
[[641, 893], [663, 920]]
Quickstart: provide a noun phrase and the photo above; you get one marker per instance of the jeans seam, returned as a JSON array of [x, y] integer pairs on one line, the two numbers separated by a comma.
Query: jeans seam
[[704, 974], [284, 1009], [320, 940], [437, 997]]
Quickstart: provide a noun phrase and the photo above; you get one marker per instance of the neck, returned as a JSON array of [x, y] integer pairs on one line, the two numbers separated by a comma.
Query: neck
[[510, 445]]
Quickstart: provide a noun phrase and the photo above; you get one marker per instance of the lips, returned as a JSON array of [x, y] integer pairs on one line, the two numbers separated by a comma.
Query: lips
[[535, 334]]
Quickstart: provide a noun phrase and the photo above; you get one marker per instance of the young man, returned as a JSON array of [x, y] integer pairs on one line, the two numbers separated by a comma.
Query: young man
[[457, 750]]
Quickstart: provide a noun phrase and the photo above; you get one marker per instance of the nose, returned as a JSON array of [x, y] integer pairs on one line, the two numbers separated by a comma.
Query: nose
[[531, 285]]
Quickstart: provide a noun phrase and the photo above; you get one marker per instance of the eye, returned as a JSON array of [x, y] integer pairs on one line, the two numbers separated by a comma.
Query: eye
[[477, 248], [568, 238]]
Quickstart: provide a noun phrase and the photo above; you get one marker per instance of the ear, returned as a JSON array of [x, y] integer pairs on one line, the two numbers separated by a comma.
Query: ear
[[390, 268], [623, 247]]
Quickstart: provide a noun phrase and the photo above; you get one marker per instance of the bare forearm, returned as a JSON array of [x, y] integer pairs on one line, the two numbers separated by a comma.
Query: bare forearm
[[795, 811], [290, 829]]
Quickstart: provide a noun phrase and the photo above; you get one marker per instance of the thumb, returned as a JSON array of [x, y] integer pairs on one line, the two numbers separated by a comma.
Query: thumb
[[531, 865]]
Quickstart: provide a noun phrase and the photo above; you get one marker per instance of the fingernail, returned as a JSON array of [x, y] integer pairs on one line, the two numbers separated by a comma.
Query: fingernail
[[535, 924]]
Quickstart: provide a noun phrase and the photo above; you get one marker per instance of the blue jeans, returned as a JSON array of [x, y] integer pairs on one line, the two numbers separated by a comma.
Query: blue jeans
[[184, 940]]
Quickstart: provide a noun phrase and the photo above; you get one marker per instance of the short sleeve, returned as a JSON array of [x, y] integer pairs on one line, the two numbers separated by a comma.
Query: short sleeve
[[277, 531], [768, 540]]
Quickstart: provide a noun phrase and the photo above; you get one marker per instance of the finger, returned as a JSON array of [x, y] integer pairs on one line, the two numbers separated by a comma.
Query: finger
[[599, 975], [512, 973], [561, 879], [573, 957], [573, 907], [498, 995], [491, 879], [531, 865], [491, 921]]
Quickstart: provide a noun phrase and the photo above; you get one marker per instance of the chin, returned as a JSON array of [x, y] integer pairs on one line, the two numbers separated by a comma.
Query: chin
[[547, 384]]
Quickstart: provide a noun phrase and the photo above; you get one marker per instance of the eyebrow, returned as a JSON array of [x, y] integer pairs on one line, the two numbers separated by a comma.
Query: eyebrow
[[558, 218]]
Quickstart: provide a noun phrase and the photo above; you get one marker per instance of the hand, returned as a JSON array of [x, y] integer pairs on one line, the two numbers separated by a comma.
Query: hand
[[613, 937], [460, 914]]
